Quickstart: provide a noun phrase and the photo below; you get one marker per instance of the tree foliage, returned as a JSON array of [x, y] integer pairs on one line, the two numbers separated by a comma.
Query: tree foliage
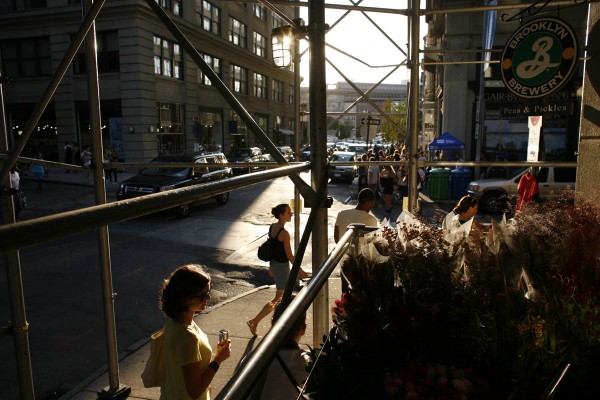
[[342, 130], [398, 112]]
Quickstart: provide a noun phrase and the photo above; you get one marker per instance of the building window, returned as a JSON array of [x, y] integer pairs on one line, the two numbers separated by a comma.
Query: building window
[[260, 11], [215, 64], [260, 45], [26, 57], [208, 16], [239, 79], [168, 58], [260, 86], [292, 93], [277, 91], [277, 21], [7, 5], [174, 6], [107, 54], [170, 136], [237, 33], [13, 5], [35, 4]]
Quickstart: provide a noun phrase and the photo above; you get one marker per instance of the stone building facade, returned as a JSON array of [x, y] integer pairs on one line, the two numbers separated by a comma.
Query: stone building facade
[[154, 98]]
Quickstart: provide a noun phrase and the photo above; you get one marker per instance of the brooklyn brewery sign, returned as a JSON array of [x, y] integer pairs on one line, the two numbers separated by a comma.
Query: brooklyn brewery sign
[[539, 58]]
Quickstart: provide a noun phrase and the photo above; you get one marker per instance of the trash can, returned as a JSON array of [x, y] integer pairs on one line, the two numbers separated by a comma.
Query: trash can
[[459, 182], [439, 179]]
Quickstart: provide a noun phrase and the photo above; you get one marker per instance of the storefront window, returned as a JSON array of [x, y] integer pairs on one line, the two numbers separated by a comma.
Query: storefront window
[[237, 131], [109, 109], [506, 140], [43, 138], [170, 132], [209, 130]]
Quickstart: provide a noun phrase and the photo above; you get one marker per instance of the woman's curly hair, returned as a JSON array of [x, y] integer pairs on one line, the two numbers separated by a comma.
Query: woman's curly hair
[[183, 283]]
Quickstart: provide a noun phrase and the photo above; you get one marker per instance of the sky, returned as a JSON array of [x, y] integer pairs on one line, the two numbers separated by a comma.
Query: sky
[[360, 37]]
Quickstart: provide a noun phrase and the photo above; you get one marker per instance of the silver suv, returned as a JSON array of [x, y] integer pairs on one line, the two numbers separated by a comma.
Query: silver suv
[[153, 180], [494, 195]]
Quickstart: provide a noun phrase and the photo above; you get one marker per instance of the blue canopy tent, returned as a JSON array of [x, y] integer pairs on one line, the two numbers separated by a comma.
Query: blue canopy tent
[[446, 142]]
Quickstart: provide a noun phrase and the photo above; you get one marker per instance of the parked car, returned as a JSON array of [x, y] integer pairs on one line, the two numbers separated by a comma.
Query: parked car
[[359, 149], [346, 173], [287, 153], [305, 153], [494, 195], [245, 155], [153, 180]]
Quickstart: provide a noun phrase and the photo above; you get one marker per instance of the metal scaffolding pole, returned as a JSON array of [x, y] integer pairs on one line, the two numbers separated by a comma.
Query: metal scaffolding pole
[[40, 230], [318, 139], [298, 129], [115, 390], [18, 326], [413, 194]]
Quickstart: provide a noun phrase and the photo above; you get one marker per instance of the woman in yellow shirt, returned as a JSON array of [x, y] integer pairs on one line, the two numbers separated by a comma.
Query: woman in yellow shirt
[[189, 369]]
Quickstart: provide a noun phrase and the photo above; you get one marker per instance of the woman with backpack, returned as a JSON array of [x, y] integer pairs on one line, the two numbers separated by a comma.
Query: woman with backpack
[[279, 265]]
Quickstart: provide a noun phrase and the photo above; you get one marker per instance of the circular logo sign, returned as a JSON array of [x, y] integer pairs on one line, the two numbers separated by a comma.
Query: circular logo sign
[[539, 58]]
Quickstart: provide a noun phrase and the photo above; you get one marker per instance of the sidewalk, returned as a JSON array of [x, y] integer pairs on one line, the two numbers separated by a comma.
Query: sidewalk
[[231, 315]]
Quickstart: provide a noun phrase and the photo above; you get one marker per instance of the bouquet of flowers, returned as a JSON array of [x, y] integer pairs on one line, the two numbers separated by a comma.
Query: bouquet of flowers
[[485, 315]]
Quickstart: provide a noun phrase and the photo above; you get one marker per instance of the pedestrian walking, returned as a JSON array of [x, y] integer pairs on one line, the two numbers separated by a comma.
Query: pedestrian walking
[[279, 266], [76, 154], [387, 179], [362, 172], [68, 155], [111, 156], [288, 370], [39, 173], [19, 201], [373, 177], [189, 362], [86, 160]]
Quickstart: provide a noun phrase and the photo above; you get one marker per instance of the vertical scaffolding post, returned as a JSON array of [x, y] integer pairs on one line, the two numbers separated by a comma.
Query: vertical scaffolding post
[[115, 390], [413, 194], [297, 128], [318, 140], [18, 326]]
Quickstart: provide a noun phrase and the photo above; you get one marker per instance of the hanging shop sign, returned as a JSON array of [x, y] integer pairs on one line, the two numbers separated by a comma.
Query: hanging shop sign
[[520, 111], [539, 58]]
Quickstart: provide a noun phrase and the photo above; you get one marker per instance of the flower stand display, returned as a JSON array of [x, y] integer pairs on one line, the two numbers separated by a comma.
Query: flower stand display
[[507, 312]]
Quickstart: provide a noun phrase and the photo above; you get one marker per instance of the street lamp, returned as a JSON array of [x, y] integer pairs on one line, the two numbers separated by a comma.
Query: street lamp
[[282, 40]]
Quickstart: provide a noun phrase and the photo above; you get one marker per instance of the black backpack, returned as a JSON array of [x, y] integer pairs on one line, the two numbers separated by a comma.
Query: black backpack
[[265, 250]]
